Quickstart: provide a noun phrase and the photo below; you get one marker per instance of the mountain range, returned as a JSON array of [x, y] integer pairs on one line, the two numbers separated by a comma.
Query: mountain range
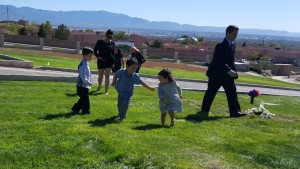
[[103, 20]]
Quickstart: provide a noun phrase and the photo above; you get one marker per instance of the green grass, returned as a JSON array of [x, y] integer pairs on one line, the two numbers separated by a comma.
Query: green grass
[[37, 131], [73, 62], [243, 78]]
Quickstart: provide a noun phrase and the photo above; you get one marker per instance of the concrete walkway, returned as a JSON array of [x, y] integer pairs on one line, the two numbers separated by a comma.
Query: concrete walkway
[[20, 74]]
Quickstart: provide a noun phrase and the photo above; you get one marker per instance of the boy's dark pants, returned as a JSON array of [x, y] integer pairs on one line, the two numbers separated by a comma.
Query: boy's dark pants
[[83, 102]]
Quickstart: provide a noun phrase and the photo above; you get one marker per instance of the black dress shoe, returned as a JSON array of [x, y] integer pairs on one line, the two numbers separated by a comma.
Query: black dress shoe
[[237, 115], [202, 114]]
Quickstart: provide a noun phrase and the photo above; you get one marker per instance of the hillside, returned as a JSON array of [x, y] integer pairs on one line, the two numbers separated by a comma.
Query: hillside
[[104, 19]]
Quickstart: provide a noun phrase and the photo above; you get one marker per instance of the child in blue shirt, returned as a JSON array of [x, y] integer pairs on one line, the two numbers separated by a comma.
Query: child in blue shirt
[[84, 82], [124, 81]]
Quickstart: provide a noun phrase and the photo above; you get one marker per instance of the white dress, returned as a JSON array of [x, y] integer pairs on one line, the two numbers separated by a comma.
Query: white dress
[[169, 97]]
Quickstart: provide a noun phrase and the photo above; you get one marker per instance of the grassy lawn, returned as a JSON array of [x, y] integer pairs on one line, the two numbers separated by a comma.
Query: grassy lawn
[[37, 131], [73, 62]]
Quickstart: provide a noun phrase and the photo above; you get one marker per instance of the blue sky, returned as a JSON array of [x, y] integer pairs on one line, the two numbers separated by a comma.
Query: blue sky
[[259, 14]]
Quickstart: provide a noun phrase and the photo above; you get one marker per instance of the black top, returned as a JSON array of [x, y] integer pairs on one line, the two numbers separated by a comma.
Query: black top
[[105, 51]]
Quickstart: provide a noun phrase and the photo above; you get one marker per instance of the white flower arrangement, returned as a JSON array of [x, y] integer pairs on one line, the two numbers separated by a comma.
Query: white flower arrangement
[[261, 110]]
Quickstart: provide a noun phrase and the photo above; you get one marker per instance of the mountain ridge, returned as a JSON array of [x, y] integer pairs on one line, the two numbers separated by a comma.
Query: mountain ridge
[[103, 19]]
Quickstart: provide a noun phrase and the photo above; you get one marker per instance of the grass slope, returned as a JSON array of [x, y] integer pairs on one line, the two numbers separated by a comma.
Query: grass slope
[[37, 131]]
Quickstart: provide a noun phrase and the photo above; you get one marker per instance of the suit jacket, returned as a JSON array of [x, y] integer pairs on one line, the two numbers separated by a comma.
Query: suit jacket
[[223, 61]]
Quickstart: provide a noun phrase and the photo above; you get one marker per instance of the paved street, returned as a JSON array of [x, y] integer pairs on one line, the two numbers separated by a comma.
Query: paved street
[[10, 73]]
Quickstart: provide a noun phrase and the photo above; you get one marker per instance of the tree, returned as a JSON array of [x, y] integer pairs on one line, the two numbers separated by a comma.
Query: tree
[[62, 32], [185, 36], [253, 56], [42, 33], [157, 43], [266, 62], [200, 39], [12, 28], [33, 29], [23, 22], [89, 30], [121, 35], [23, 31], [244, 44], [48, 28]]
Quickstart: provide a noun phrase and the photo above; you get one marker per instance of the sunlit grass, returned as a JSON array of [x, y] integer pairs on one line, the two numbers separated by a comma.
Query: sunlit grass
[[37, 131]]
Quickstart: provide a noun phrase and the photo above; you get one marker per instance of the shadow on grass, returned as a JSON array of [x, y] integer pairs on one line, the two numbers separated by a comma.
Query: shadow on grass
[[95, 93], [71, 94], [92, 93], [101, 123], [194, 118], [56, 116], [148, 127]]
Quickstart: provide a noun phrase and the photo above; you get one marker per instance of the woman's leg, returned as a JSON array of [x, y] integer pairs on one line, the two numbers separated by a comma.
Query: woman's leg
[[107, 73], [100, 78]]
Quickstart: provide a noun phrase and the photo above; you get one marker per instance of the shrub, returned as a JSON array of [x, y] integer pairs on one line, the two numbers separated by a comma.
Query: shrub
[[187, 60], [154, 57]]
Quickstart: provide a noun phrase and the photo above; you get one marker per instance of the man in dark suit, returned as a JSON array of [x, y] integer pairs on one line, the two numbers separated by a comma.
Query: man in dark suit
[[222, 72]]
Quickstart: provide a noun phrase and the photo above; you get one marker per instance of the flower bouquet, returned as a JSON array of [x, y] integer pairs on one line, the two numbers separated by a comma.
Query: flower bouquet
[[261, 111], [253, 93]]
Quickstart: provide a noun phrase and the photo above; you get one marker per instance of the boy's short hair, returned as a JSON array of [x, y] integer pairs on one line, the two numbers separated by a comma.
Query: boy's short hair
[[130, 62], [87, 50]]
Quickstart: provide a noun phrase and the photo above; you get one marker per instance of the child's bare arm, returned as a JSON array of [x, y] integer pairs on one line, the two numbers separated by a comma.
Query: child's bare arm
[[147, 87]]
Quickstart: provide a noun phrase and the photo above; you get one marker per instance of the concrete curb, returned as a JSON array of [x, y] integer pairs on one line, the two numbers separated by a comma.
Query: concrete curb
[[178, 79], [36, 78]]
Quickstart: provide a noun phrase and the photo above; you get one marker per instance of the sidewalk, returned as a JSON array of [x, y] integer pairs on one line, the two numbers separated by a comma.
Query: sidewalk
[[10, 73]]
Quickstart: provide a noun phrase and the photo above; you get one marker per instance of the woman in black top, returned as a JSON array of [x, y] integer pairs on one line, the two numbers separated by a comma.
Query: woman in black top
[[136, 54], [104, 51]]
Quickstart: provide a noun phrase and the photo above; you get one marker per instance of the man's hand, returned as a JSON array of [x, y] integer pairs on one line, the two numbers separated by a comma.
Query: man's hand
[[232, 74]]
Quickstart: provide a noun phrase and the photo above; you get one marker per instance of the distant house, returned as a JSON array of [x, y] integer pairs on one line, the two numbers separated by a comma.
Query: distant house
[[124, 42]]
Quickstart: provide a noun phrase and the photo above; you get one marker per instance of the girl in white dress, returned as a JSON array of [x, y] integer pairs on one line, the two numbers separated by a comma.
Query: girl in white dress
[[170, 96]]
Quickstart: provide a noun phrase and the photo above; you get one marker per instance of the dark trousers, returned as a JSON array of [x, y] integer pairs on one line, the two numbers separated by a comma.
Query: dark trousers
[[83, 102], [230, 89]]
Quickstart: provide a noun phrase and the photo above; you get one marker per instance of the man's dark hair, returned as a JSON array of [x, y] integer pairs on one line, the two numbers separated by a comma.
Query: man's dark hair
[[130, 62], [109, 32], [166, 73], [87, 50], [231, 28]]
